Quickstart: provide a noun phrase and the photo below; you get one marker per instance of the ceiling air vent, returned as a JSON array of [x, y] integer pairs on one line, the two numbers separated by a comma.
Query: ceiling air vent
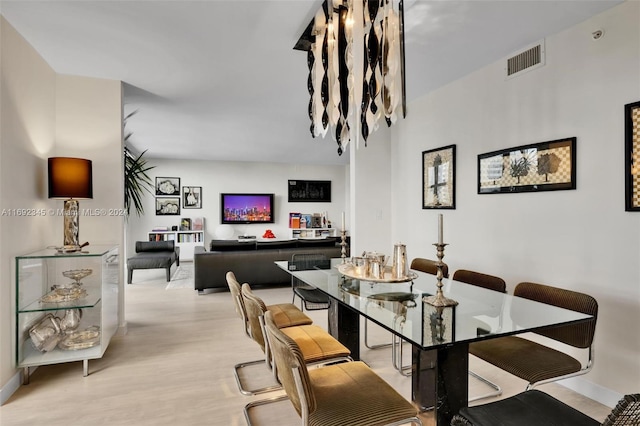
[[526, 60]]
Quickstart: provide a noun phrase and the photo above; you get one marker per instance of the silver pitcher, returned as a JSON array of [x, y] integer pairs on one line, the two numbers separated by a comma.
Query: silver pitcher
[[400, 268], [71, 320]]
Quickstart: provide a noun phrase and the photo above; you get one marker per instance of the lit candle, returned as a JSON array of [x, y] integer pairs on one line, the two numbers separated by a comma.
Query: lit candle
[[343, 221], [440, 241]]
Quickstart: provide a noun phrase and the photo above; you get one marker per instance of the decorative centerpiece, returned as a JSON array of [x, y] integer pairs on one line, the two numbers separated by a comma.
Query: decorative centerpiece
[[77, 274], [439, 299]]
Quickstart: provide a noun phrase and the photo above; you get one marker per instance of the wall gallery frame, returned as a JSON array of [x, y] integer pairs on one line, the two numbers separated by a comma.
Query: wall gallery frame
[[167, 186], [168, 206], [632, 156], [439, 178], [191, 197], [318, 191], [544, 166]]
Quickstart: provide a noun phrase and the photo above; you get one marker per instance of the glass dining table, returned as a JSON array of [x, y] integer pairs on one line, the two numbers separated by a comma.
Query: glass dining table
[[439, 337]]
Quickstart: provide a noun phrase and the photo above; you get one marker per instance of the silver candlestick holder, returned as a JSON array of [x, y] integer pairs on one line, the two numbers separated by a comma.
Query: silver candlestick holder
[[439, 300], [343, 245]]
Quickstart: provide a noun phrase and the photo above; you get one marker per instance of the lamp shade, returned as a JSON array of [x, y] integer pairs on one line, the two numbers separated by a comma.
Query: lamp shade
[[70, 178]]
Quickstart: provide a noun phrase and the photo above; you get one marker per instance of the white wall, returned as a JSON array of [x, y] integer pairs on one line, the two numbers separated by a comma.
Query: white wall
[[26, 139], [581, 240], [217, 177], [44, 114]]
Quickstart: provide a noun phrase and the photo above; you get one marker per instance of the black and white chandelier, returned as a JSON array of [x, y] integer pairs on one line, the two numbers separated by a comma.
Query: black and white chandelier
[[355, 55]]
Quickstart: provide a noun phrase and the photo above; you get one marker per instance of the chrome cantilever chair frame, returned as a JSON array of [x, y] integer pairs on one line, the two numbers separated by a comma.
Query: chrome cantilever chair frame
[[239, 305], [311, 298], [306, 400], [489, 282], [427, 266], [580, 336], [251, 298]]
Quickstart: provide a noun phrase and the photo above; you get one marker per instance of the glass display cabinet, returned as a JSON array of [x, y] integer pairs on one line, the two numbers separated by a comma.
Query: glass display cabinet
[[66, 306]]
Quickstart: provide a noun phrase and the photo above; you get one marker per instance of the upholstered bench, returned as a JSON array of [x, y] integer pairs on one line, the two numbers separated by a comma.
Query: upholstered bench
[[153, 255]]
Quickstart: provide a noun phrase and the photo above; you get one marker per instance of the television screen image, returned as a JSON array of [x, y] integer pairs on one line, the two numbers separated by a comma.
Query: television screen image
[[246, 208]]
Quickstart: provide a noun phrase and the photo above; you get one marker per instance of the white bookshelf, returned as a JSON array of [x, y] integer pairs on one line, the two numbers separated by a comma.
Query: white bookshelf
[[313, 233]]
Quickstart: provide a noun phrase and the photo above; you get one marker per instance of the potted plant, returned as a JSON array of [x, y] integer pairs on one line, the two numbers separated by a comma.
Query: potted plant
[[136, 179]]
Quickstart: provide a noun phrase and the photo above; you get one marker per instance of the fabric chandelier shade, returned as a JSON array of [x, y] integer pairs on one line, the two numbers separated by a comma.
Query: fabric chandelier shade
[[355, 56], [70, 179]]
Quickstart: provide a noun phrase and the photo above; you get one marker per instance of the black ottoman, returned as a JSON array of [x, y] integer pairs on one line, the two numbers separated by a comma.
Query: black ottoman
[[153, 255]]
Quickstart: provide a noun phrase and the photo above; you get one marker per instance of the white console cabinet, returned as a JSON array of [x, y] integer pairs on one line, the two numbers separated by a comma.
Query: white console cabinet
[[66, 306]]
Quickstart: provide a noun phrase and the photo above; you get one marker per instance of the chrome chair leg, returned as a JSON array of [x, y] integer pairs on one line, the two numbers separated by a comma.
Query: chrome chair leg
[[236, 370], [260, 402], [366, 339], [497, 389]]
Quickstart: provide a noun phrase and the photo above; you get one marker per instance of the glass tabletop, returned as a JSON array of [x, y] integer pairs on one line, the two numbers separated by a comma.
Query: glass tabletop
[[480, 313]]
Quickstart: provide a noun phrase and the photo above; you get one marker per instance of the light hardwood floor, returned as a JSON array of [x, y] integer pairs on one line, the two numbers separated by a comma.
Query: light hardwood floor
[[175, 367]]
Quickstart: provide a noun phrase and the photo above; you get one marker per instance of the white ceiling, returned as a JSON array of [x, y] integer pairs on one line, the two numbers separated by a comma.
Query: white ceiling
[[219, 79]]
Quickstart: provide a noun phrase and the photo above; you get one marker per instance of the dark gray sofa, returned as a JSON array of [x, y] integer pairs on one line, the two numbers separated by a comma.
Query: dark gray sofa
[[252, 262], [153, 255]]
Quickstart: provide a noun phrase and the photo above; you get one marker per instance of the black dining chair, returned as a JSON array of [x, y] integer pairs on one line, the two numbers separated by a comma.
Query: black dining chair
[[535, 408], [311, 298]]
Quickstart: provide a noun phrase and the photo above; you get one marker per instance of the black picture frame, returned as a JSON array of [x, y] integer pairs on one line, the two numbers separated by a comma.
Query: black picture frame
[[632, 156], [305, 191], [167, 186], [439, 178], [543, 166], [167, 206], [191, 197]]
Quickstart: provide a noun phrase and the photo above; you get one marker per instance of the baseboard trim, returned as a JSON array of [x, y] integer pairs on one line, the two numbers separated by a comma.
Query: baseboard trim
[[591, 390], [10, 387]]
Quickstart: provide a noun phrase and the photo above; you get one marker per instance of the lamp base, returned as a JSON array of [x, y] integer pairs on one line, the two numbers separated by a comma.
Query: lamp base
[[71, 222]]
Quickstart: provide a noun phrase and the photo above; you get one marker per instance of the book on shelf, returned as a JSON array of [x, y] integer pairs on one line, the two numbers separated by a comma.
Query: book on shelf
[[294, 220], [160, 229]]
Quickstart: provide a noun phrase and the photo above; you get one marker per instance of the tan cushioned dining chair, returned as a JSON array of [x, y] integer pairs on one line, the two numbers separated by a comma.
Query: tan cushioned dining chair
[[288, 314], [317, 346], [336, 395], [537, 363]]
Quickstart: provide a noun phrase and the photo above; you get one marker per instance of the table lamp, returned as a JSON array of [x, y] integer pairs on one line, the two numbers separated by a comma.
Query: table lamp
[[70, 179]]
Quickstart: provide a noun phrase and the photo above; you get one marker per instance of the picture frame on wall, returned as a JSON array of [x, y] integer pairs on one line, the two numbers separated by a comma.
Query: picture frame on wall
[[318, 191], [544, 166], [167, 186], [191, 197], [632, 156], [167, 206], [439, 178]]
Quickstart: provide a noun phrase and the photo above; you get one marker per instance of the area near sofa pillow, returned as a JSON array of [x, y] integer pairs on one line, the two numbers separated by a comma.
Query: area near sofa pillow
[[231, 245]]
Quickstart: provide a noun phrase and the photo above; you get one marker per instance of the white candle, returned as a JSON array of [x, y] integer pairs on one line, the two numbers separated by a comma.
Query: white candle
[[343, 221], [440, 240]]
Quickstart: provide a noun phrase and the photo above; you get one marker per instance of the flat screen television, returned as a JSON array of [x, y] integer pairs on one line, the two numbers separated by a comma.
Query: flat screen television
[[246, 208]]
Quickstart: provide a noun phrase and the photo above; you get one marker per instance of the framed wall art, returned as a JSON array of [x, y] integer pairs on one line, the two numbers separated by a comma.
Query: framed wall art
[[168, 206], [167, 186], [632, 156], [191, 197], [439, 178], [544, 166], [318, 191]]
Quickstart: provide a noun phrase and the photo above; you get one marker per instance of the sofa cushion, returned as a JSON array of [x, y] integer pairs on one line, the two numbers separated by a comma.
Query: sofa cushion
[[262, 245], [319, 242], [232, 245], [152, 246]]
